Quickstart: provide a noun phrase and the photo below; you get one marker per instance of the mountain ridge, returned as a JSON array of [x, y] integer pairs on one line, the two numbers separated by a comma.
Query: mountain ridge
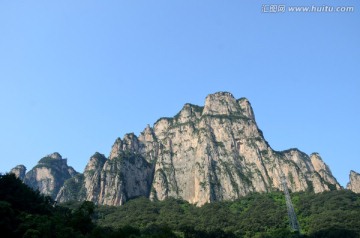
[[202, 154]]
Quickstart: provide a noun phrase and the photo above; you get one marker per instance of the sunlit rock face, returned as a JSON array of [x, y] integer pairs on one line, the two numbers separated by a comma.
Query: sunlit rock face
[[49, 175], [202, 154], [354, 184], [217, 152], [19, 171], [125, 175]]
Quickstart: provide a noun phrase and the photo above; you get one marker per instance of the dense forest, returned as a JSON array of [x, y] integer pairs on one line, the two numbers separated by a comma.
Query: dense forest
[[27, 213]]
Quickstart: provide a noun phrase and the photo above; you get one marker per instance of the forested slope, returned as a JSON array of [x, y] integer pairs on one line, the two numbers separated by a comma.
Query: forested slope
[[26, 213], [329, 214]]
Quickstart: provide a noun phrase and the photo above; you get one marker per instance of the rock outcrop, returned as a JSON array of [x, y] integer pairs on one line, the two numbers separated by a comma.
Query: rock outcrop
[[201, 155], [19, 171], [354, 184], [49, 175], [218, 153], [92, 177], [72, 190], [124, 177]]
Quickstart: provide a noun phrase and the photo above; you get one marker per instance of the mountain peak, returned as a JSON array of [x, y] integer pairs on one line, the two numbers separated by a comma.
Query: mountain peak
[[19, 171], [354, 183], [352, 172], [220, 103], [55, 156], [49, 174], [225, 104], [202, 154]]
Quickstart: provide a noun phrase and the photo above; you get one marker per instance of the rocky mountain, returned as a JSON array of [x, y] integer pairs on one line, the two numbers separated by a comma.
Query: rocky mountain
[[48, 176], [19, 171], [354, 184], [202, 154]]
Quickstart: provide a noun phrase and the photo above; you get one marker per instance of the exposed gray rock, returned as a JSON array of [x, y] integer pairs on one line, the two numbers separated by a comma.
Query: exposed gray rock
[[219, 153], [72, 190], [19, 171], [49, 175], [127, 176], [201, 155], [354, 183], [112, 181], [85, 186], [118, 144], [92, 177]]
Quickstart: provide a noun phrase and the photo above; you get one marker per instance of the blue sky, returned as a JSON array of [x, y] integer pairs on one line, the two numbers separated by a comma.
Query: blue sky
[[75, 75]]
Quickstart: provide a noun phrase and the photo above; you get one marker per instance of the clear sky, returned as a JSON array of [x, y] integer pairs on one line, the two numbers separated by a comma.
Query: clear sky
[[75, 75]]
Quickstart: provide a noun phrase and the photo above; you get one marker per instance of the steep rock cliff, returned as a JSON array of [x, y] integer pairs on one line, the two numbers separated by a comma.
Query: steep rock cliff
[[84, 186], [218, 153], [92, 177], [72, 190], [202, 154], [49, 175], [19, 171], [354, 183], [126, 176]]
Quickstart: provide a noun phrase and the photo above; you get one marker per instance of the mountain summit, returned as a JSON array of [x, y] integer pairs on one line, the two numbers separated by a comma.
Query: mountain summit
[[354, 183], [202, 154]]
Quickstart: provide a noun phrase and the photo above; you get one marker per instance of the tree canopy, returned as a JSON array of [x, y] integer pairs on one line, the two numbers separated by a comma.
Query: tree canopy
[[27, 213]]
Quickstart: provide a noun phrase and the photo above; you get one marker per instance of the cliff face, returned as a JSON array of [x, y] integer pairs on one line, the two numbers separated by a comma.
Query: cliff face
[[124, 177], [218, 153], [19, 171], [49, 175], [92, 177], [202, 154], [354, 184]]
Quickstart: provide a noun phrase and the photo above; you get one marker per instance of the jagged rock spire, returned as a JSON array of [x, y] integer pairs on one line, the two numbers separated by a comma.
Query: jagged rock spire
[[354, 183]]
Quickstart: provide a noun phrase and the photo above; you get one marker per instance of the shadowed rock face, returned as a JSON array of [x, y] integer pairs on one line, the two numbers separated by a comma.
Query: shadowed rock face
[[202, 154], [354, 184]]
